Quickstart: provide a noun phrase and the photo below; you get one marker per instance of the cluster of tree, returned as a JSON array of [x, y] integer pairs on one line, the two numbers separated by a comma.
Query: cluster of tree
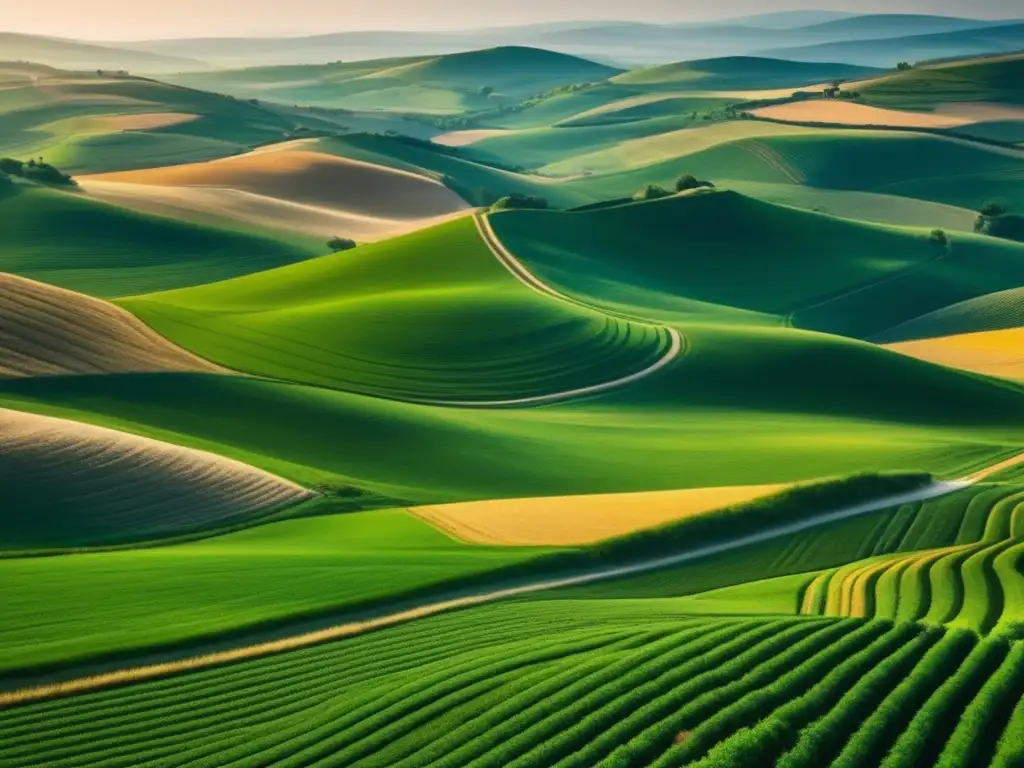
[[112, 73], [520, 202], [903, 66], [835, 91], [684, 183], [995, 219], [35, 170], [339, 244]]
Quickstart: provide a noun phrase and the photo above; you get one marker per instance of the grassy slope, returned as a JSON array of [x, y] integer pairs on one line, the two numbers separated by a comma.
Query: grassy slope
[[170, 593], [432, 315], [999, 80], [103, 250], [694, 247]]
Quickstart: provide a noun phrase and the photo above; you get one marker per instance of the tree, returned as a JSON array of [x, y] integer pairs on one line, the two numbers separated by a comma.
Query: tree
[[992, 209], [689, 181], [903, 66], [486, 91], [339, 244], [939, 238]]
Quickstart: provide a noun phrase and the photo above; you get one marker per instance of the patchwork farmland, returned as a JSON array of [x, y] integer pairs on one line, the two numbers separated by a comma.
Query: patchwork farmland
[[500, 404]]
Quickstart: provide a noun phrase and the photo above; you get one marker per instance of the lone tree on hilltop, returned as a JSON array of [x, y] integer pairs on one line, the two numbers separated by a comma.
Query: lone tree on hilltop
[[987, 214], [688, 181], [903, 66], [339, 244], [486, 90]]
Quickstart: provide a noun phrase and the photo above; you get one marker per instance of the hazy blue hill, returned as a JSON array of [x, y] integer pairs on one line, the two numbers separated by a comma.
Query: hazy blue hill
[[886, 52], [435, 84], [882, 25], [72, 54], [788, 19]]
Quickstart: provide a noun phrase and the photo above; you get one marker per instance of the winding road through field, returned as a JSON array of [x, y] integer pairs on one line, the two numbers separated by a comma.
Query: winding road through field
[[261, 645], [677, 346]]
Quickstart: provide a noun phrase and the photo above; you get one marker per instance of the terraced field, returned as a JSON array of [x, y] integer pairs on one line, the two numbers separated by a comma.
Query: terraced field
[[966, 576]]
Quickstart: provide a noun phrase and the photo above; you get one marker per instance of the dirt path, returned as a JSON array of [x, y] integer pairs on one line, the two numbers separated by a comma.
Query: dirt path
[[258, 647]]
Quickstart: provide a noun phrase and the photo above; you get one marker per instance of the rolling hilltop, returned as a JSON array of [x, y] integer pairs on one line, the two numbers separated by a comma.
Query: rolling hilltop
[[445, 84]]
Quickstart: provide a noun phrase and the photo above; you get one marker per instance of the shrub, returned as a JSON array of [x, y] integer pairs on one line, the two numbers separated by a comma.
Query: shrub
[[652, 192], [991, 210], [339, 244], [689, 181], [520, 202], [938, 237]]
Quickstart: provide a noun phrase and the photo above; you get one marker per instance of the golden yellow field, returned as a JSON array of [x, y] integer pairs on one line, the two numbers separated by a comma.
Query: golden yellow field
[[993, 353], [848, 113], [573, 520]]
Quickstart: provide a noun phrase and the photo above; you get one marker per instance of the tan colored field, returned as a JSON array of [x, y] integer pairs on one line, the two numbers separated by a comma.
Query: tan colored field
[[574, 520], [850, 113], [119, 485], [115, 123], [993, 353], [301, 175], [465, 138], [210, 205], [49, 331]]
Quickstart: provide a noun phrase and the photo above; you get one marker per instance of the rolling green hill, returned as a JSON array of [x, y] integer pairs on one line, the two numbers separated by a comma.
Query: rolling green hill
[[741, 73], [441, 84], [88, 122], [388, 320], [68, 240], [999, 80], [885, 51], [722, 257], [694, 424]]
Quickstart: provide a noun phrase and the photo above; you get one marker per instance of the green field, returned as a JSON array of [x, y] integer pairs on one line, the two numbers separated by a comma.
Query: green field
[[695, 243], [996, 80], [164, 607], [66, 239]]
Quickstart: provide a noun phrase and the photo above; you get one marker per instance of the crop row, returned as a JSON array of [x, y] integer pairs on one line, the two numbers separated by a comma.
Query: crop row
[[797, 692]]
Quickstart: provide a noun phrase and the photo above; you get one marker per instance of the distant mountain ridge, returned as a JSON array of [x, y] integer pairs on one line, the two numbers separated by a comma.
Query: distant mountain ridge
[[630, 43]]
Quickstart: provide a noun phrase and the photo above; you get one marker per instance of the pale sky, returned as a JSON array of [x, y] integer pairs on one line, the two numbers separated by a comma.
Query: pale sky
[[149, 19]]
